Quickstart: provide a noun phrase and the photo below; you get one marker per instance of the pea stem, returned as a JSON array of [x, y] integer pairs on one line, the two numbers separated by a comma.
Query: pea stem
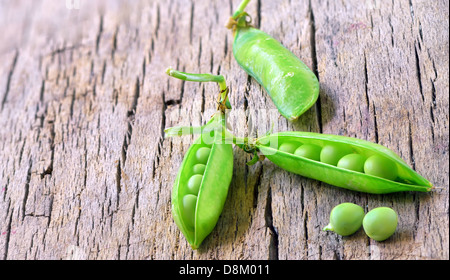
[[240, 8], [198, 77], [328, 227], [219, 79], [217, 123], [211, 125]]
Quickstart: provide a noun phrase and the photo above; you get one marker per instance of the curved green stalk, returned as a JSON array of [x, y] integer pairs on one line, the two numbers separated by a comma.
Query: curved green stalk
[[219, 79], [197, 77], [240, 9]]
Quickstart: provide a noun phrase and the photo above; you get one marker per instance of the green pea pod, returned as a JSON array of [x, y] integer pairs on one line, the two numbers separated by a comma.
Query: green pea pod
[[399, 176], [292, 86], [201, 186], [198, 199]]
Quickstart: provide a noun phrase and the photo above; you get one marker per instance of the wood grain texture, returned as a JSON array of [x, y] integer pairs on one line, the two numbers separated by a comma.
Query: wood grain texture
[[86, 172]]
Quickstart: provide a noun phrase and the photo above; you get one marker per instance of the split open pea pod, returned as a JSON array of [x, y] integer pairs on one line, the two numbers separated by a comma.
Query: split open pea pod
[[198, 198], [291, 85], [378, 170], [201, 186]]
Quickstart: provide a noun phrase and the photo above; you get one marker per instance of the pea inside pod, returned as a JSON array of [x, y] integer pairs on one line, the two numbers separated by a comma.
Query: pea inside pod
[[309, 151], [350, 163], [380, 166], [288, 147], [353, 162], [331, 153]]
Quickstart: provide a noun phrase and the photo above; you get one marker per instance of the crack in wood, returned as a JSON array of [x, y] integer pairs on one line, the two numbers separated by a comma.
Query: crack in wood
[[7, 231], [268, 217], [375, 124], [199, 52], [419, 75], [410, 144], [99, 34], [114, 43], [49, 169], [258, 13], [26, 189], [314, 66], [8, 81], [158, 20], [118, 183], [131, 115], [191, 23]]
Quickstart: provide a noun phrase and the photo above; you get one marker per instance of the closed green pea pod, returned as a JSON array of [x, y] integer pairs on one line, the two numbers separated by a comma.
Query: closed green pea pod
[[406, 180], [196, 218], [292, 86]]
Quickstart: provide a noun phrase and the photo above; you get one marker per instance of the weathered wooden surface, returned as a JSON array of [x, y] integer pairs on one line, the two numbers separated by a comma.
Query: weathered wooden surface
[[86, 172]]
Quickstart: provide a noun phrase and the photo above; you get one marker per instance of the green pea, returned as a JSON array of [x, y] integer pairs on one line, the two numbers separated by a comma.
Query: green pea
[[288, 147], [345, 219], [292, 86], [380, 166], [353, 162], [309, 151], [332, 153], [203, 154], [380, 223], [199, 169], [194, 182], [189, 203]]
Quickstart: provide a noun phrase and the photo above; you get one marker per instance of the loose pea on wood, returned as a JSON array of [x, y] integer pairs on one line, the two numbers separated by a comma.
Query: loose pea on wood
[[380, 223], [345, 219]]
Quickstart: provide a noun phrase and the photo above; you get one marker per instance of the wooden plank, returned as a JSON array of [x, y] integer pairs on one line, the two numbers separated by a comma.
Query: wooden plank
[[86, 171]]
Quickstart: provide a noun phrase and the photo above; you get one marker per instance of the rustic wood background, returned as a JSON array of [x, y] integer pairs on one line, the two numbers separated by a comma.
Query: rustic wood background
[[86, 172]]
